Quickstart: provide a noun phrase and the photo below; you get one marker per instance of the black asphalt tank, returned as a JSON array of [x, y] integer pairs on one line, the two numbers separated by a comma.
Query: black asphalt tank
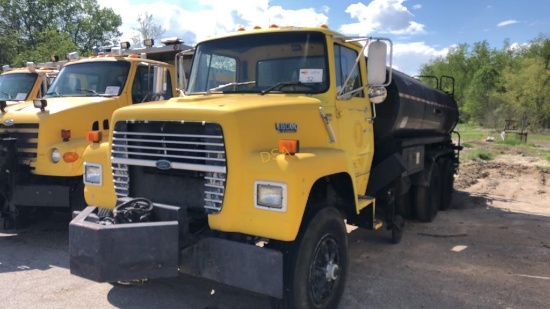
[[413, 109]]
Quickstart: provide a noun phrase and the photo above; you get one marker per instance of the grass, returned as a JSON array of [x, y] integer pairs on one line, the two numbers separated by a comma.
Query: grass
[[476, 146]]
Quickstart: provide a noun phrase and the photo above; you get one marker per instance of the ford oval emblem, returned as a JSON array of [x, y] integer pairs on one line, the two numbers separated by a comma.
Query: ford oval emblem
[[163, 164], [9, 122]]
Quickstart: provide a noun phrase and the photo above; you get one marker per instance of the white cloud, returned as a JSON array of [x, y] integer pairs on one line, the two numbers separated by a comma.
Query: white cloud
[[382, 16], [507, 22], [408, 57], [214, 17], [417, 6]]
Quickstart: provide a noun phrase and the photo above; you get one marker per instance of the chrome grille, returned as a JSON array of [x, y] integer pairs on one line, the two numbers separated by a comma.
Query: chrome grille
[[27, 140], [170, 156]]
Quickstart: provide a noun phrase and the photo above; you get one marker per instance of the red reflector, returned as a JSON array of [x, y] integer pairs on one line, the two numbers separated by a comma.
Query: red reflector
[[65, 134]]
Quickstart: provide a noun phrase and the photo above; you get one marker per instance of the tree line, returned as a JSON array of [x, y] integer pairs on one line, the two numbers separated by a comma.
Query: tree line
[[493, 85], [34, 30]]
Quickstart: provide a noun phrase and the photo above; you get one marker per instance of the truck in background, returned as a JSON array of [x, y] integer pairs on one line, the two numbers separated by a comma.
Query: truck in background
[[23, 85], [41, 145], [284, 134]]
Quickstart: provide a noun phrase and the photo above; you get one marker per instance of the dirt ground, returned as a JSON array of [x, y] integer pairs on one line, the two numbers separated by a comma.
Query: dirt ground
[[490, 250]]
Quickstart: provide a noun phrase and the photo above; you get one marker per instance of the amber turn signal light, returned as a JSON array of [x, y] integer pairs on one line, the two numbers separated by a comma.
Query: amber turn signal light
[[70, 157], [94, 136], [289, 146]]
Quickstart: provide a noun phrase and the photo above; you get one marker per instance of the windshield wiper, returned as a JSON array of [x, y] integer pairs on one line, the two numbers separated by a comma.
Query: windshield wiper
[[228, 85], [88, 90], [280, 84], [54, 94], [9, 95]]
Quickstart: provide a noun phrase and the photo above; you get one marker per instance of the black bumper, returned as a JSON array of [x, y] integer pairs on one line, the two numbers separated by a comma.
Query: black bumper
[[124, 252]]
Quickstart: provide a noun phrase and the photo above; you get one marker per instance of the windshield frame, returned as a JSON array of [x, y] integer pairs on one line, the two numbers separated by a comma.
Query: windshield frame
[[252, 63], [17, 79], [91, 78]]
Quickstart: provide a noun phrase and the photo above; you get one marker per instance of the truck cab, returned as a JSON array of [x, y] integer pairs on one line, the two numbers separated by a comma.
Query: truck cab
[[23, 85], [43, 141]]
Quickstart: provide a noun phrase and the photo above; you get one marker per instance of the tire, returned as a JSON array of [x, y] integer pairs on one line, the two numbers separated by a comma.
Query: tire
[[397, 229], [428, 198], [447, 182], [77, 200], [316, 264]]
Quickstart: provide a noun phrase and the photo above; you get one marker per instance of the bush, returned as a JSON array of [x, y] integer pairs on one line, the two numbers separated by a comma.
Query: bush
[[480, 154]]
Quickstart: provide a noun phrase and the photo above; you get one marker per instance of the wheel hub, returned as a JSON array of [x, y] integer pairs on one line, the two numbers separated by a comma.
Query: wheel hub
[[332, 271]]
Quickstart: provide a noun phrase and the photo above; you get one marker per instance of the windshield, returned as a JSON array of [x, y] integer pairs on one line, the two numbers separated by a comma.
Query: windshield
[[105, 78], [16, 86], [289, 62]]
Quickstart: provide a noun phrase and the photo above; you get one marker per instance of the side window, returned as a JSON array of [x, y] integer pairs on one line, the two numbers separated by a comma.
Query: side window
[[168, 94], [138, 88], [142, 86], [345, 58]]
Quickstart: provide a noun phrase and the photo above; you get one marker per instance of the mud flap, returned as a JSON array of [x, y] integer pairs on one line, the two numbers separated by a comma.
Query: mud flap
[[124, 252]]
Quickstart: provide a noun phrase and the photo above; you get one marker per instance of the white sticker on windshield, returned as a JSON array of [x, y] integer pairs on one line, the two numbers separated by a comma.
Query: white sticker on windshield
[[311, 76], [20, 96], [112, 90]]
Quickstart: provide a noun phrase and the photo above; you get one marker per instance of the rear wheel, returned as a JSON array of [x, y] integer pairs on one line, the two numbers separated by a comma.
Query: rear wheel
[[428, 198], [316, 263], [447, 182]]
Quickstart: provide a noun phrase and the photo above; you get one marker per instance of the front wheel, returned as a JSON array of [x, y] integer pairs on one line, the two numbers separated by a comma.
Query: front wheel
[[316, 263]]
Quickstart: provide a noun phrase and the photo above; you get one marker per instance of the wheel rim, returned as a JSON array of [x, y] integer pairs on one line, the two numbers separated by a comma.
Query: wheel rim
[[324, 274]]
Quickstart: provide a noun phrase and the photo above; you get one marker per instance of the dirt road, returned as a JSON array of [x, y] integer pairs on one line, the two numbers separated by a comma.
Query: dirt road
[[491, 250]]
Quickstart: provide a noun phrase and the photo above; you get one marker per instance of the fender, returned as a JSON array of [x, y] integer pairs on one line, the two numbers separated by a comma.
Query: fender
[[103, 196], [298, 172], [48, 168]]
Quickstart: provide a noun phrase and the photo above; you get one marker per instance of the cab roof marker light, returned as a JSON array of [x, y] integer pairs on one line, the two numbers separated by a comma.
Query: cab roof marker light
[[73, 56], [125, 45], [171, 40], [115, 51], [148, 42]]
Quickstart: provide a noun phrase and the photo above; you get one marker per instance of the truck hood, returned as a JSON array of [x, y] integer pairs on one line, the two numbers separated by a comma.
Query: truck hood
[[252, 122], [25, 112]]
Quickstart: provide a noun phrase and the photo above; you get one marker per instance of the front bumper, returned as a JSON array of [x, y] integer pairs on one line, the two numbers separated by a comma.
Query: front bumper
[[150, 250]]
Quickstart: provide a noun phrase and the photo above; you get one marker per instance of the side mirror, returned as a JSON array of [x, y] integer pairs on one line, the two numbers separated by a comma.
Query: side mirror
[[376, 64], [377, 94]]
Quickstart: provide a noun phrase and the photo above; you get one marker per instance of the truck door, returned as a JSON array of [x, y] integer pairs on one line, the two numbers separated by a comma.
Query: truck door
[[355, 130]]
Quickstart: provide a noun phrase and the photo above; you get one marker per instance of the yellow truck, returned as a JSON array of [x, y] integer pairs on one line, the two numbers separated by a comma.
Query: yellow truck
[[282, 137], [41, 144], [23, 85]]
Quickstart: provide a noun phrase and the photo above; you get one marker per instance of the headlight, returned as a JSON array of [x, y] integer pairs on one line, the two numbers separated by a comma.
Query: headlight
[[56, 155], [92, 174], [270, 195]]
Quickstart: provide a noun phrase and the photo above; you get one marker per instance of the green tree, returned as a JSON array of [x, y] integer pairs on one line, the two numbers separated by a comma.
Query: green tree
[[28, 26]]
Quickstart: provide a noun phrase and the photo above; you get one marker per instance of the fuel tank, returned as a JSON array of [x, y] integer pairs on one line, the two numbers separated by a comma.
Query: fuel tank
[[413, 109]]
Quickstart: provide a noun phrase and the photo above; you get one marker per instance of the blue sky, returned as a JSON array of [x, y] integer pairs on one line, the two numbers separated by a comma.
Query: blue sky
[[420, 29]]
